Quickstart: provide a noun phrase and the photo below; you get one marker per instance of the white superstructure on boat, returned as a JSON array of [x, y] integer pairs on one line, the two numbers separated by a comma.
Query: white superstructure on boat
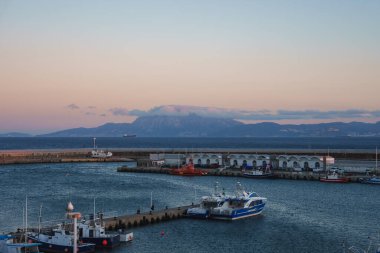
[[229, 207]]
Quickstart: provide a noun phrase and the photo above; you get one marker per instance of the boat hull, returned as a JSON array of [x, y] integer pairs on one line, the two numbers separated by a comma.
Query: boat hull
[[239, 214], [56, 248], [198, 213], [370, 181], [339, 180], [103, 242], [263, 176]]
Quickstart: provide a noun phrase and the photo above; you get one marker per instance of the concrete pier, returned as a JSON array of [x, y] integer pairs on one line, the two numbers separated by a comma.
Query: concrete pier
[[146, 218]]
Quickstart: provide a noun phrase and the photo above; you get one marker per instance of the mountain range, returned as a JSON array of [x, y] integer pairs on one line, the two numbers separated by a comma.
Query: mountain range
[[197, 126]]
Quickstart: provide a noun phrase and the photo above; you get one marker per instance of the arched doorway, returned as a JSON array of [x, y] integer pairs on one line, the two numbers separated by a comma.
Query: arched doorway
[[306, 166]]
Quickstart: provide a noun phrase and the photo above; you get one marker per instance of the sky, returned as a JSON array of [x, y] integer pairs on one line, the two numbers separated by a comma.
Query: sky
[[67, 64]]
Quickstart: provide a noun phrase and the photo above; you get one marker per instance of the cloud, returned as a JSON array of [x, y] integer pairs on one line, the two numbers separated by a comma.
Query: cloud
[[103, 115], [73, 107], [91, 107], [263, 115], [118, 111], [90, 113]]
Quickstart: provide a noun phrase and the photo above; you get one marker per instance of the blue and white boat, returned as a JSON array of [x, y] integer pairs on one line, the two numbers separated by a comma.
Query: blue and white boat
[[60, 241], [371, 180], [229, 207], [8, 246]]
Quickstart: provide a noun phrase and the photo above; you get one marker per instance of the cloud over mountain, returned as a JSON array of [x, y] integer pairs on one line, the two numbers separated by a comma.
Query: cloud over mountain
[[265, 115]]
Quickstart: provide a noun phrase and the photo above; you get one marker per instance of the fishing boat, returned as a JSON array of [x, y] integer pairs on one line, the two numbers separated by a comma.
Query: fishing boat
[[129, 135], [93, 231], [187, 170], [230, 207], [96, 153], [61, 240], [334, 177], [8, 246], [373, 179], [259, 173], [207, 203]]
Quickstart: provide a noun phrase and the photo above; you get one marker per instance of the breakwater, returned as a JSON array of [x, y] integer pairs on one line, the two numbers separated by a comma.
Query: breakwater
[[142, 154], [55, 156], [293, 175]]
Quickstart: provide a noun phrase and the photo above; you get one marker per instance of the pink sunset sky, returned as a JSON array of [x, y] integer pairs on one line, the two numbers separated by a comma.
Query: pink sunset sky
[[67, 64]]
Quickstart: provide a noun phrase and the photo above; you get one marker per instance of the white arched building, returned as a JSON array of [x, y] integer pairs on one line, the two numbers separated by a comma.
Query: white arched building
[[205, 159], [248, 160], [302, 162]]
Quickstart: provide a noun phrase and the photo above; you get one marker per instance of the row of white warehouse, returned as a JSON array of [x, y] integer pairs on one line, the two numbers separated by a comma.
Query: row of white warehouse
[[244, 160]]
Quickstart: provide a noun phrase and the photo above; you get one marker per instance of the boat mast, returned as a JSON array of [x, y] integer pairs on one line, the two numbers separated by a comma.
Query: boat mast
[[39, 220], [26, 219], [151, 200], [94, 212], [376, 162], [94, 143]]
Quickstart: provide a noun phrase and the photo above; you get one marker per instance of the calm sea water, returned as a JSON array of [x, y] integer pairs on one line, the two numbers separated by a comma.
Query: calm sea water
[[358, 143], [300, 216]]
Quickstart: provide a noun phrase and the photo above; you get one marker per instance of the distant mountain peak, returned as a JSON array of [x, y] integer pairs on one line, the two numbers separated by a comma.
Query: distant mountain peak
[[194, 125]]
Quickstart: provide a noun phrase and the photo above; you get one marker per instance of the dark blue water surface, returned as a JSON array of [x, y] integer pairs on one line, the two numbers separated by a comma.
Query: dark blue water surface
[[300, 216], [358, 143]]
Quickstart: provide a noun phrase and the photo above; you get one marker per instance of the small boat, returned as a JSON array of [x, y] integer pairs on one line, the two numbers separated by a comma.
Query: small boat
[[372, 180], [8, 246], [129, 135], [61, 240], [93, 231], [95, 153], [207, 203], [334, 177], [187, 170], [229, 207], [259, 173]]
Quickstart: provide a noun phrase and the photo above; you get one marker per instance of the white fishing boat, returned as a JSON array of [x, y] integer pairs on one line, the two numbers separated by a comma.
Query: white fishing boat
[[93, 231], [61, 240], [96, 153], [240, 205], [207, 204], [259, 173], [374, 179]]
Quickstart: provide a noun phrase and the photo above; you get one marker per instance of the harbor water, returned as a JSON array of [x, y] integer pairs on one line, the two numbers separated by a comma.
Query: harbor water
[[189, 144], [300, 216]]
